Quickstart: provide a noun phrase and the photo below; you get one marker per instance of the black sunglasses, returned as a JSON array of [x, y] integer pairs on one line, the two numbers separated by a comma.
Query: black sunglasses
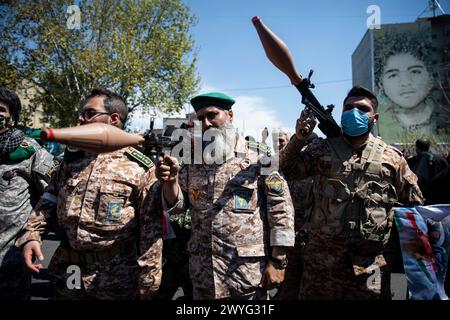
[[88, 114]]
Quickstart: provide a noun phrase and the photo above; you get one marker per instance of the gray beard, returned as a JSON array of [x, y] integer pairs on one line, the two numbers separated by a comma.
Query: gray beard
[[221, 148]]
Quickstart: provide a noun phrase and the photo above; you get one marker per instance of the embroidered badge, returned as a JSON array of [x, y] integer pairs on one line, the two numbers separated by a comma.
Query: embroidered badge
[[274, 184], [114, 210], [196, 193], [52, 169], [260, 147], [242, 200], [245, 164]]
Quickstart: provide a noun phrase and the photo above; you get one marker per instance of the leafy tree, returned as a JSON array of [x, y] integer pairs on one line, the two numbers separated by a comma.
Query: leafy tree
[[141, 49]]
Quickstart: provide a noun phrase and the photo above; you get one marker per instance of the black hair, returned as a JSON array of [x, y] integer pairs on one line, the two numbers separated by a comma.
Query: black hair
[[423, 144], [11, 99], [359, 91], [393, 42], [113, 102]]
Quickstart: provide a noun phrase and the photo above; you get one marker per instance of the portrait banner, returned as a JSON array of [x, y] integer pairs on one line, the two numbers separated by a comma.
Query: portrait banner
[[411, 84]]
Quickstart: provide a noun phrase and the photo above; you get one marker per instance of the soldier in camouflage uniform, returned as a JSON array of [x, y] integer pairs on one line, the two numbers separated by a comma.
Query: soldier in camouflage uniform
[[24, 168], [104, 208], [242, 221], [357, 180], [300, 190]]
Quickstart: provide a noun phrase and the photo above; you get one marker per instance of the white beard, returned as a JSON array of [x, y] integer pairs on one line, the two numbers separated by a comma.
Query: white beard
[[221, 148]]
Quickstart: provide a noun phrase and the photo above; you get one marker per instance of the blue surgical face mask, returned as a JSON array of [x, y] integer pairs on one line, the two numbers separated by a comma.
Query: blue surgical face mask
[[355, 122]]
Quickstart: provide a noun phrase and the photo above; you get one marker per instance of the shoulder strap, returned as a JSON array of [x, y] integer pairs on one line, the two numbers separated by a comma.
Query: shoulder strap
[[140, 158], [373, 151]]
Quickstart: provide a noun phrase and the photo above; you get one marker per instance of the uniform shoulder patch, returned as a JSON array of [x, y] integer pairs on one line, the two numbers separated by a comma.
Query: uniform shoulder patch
[[52, 168], [258, 146], [139, 157], [275, 184]]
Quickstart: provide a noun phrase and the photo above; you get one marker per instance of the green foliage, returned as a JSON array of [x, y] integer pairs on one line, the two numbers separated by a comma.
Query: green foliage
[[141, 49], [440, 142]]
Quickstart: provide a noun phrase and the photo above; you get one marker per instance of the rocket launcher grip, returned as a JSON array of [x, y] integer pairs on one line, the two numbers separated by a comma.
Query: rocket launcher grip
[[278, 53], [94, 137]]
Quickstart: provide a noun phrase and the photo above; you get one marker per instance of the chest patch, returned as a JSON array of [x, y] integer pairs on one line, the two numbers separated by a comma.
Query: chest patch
[[114, 210], [242, 200]]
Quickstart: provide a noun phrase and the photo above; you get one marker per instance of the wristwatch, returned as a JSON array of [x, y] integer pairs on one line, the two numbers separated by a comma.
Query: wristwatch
[[279, 263]]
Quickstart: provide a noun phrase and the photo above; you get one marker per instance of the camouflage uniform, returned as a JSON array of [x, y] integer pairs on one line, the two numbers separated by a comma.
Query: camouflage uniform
[[106, 213], [22, 181], [354, 191], [300, 191], [237, 214]]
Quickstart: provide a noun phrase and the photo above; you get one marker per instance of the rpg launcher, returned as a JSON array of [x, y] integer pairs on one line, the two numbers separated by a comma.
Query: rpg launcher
[[278, 53], [155, 145]]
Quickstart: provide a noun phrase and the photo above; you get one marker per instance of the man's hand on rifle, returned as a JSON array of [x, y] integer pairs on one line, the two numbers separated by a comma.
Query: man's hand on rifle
[[167, 170], [305, 125]]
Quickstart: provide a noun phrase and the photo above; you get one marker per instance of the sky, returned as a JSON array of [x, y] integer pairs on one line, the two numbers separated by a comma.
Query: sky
[[321, 35]]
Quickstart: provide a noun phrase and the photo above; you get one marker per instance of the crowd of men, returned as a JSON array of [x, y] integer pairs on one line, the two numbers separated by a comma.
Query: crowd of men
[[316, 228]]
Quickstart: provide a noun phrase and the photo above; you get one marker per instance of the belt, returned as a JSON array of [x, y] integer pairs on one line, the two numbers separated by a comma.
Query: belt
[[89, 257]]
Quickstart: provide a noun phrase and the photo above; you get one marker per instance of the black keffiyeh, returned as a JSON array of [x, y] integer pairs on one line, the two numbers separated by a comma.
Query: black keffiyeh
[[10, 141]]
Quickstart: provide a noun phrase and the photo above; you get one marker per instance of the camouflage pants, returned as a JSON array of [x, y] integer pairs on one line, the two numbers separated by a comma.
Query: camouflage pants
[[258, 294], [329, 273], [205, 288], [112, 279]]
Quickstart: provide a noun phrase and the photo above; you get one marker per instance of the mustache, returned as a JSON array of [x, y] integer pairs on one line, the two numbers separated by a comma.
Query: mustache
[[226, 131]]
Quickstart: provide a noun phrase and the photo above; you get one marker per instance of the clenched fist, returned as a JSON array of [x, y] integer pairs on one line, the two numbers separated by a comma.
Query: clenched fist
[[167, 169], [271, 277], [305, 125]]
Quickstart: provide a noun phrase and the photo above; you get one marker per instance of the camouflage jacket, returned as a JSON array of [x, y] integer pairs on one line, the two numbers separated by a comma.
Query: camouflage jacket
[[100, 201], [237, 215], [354, 189], [300, 191], [22, 182]]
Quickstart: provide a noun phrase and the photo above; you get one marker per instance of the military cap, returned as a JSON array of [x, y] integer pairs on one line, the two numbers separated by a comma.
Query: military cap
[[215, 99]]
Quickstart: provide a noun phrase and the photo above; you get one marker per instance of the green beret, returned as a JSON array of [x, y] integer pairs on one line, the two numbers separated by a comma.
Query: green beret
[[215, 99]]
